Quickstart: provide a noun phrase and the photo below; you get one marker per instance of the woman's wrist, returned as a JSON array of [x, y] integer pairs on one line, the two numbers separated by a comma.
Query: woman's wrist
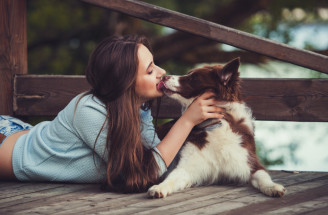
[[175, 138], [186, 122]]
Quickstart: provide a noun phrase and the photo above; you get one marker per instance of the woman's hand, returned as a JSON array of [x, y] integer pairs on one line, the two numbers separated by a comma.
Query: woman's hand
[[203, 108]]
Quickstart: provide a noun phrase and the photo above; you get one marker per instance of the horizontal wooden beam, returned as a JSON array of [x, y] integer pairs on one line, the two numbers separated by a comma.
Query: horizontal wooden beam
[[217, 32], [276, 100], [270, 99], [45, 95]]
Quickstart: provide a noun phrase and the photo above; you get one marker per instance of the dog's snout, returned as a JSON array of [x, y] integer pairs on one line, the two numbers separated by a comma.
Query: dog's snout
[[166, 77]]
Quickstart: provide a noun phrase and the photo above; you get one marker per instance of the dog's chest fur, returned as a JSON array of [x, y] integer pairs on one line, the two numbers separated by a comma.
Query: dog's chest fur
[[221, 151]]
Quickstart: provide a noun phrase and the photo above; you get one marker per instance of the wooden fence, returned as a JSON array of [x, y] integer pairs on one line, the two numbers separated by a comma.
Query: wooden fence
[[271, 99]]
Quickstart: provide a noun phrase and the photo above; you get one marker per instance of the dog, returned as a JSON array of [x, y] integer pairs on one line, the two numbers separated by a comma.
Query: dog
[[216, 151]]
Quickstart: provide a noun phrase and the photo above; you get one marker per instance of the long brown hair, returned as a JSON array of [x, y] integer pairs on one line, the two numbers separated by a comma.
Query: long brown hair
[[112, 72]]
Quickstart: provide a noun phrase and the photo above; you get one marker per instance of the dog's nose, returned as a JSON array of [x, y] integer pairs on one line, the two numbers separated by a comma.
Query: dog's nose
[[166, 77]]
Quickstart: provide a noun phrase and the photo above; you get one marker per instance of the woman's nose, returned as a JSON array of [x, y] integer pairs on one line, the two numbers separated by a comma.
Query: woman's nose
[[161, 71]]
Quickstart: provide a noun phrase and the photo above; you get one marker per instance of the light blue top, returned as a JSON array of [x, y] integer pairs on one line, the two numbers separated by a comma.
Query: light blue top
[[63, 150]]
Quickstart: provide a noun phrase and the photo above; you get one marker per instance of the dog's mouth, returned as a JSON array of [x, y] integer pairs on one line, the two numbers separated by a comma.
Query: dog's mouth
[[161, 86]]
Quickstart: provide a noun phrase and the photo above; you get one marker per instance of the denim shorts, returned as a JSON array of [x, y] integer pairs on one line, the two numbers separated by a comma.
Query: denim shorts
[[10, 125]]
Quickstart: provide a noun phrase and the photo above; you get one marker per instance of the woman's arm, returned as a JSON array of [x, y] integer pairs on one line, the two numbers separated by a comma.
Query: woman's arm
[[201, 109]]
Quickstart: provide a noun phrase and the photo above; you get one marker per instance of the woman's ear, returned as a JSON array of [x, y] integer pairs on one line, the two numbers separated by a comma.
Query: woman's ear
[[228, 70]]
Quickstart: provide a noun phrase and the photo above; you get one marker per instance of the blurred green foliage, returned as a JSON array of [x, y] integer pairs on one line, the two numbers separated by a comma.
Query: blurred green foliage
[[61, 34]]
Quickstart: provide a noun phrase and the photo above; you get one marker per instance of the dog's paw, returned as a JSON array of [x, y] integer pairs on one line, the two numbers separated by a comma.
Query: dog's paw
[[276, 190], [157, 191]]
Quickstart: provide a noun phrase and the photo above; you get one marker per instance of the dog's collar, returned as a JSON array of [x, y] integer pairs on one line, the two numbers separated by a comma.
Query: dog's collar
[[209, 124]]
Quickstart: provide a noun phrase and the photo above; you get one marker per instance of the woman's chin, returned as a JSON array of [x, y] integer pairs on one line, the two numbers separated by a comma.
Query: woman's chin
[[156, 95], [159, 93]]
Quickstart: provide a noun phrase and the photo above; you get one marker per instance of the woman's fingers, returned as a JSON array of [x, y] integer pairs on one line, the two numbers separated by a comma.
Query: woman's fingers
[[215, 115], [204, 107], [214, 112], [207, 95], [210, 106], [214, 109]]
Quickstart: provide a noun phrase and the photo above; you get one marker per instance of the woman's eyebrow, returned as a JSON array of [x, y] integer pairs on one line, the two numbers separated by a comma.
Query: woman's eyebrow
[[149, 65]]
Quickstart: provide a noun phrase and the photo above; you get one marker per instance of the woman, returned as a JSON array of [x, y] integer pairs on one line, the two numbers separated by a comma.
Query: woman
[[104, 135]]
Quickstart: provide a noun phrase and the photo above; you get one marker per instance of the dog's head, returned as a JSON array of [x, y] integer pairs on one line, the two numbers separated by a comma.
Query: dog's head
[[223, 80]]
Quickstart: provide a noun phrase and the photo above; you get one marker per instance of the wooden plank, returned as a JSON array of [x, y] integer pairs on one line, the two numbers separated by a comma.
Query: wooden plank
[[39, 194], [26, 189], [217, 32], [318, 204], [189, 200], [10, 186], [45, 95], [277, 100], [139, 203], [306, 189], [287, 99], [270, 99], [88, 202], [225, 201], [295, 198], [62, 198], [13, 49]]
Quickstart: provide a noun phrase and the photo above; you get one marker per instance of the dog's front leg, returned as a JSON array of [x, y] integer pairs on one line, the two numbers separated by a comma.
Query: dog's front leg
[[178, 179], [192, 169], [262, 181]]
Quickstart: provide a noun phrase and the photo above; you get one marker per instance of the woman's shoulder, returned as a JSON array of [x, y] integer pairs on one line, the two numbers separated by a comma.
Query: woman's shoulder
[[87, 100], [86, 104]]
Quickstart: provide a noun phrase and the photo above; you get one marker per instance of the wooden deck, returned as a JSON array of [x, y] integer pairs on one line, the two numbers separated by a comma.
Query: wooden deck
[[307, 194]]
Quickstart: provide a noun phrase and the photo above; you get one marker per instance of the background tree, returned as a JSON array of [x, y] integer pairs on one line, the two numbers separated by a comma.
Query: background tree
[[61, 34]]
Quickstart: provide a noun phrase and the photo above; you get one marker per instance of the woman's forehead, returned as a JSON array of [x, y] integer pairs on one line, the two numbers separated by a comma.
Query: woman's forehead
[[144, 56]]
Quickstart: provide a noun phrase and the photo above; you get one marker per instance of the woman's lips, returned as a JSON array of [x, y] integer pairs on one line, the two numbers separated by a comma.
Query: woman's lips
[[161, 86]]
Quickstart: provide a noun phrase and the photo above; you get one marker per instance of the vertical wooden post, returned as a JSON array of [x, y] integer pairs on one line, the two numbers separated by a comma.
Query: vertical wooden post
[[13, 49]]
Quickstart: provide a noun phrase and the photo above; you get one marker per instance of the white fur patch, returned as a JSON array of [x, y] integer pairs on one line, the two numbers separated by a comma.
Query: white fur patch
[[262, 181]]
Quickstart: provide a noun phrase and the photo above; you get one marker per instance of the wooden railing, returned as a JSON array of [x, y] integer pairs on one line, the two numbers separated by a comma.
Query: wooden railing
[[216, 32], [270, 99]]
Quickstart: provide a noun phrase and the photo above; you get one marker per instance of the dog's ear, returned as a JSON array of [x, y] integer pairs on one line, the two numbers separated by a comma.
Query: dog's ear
[[228, 70]]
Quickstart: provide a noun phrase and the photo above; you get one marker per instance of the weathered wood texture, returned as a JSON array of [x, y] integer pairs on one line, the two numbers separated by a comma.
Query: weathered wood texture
[[307, 193], [45, 95], [216, 32], [13, 49], [270, 99]]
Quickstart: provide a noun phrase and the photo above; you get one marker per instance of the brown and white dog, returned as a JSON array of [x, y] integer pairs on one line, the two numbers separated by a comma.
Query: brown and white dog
[[215, 151]]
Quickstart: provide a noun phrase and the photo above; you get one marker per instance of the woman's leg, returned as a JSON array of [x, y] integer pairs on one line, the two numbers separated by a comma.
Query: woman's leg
[[11, 129], [6, 151]]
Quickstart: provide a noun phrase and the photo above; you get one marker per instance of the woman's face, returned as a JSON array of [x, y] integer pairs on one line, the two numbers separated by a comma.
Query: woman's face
[[148, 76]]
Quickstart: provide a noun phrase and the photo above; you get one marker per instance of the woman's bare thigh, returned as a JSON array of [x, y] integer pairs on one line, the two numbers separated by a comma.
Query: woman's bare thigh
[[6, 151]]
